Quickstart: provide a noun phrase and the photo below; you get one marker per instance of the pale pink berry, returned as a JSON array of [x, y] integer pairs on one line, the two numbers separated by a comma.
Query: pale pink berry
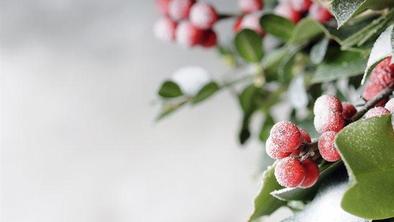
[[376, 112], [209, 39], [203, 15], [180, 9], [187, 35], [274, 151], [327, 102], [327, 148], [319, 13], [390, 105], [251, 21], [300, 5], [285, 10], [311, 173], [164, 29], [289, 172], [348, 110], [329, 121], [306, 138], [250, 6], [162, 5], [286, 135], [237, 24]]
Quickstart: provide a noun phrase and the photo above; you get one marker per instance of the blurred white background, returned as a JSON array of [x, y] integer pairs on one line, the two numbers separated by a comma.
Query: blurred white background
[[78, 140]]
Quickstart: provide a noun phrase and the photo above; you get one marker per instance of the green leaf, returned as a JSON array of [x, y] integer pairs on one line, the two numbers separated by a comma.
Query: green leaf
[[277, 26], [343, 10], [383, 47], [169, 108], [342, 65], [266, 127], [319, 50], [170, 89], [249, 45], [265, 204], [366, 147], [305, 30], [205, 92]]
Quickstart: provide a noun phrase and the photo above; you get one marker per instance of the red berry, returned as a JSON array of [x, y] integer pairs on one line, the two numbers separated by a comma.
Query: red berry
[[251, 21], [348, 110], [329, 121], [300, 5], [164, 29], [209, 39], [390, 105], [180, 9], [376, 112], [311, 173], [203, 15], [188, 35], [382, 76], [250, 6], [319, 13], [286, 135], [327, 147], [274, 151], [284, 9], [289, 172], [327, 102], [237, 24], [162, 5], [306, 138]]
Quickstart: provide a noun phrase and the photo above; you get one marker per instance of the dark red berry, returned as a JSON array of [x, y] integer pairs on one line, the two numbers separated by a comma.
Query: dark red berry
[[188, 35], [306, 138], [311, 173], [209, 39], [319, 13], [348, 110]]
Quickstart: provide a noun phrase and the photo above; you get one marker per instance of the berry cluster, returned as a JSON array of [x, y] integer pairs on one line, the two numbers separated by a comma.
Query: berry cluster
[[285, 144], [187, 22], [294, 10]]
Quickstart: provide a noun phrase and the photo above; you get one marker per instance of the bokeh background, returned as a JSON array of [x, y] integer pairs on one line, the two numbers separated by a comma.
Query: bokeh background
[[78, 139]]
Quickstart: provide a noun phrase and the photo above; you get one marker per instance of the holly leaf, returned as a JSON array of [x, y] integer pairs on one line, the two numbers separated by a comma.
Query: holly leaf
[[170, 89], [366, 148], [383, 47], [265, 204], [205, 92], [277, 26], [305, 30], [249, 45]]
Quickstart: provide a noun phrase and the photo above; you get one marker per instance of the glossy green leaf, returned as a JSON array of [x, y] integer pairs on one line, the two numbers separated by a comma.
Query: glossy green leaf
[[205, 92], [277, 26], [249, 45], [341, 65], [318, 51], [383, 47], [305, 30], [367, 149], [265, 204], [170, 89]]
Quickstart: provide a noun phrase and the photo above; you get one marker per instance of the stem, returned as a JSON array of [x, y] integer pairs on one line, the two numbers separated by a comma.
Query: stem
[[226, 16]]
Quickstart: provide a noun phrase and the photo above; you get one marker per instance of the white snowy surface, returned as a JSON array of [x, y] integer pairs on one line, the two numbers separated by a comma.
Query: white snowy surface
[[191, 79]]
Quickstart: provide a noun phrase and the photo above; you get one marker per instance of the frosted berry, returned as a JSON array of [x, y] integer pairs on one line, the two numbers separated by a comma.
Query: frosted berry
[[180, 9], [237, 24], [209, 39], [300, 5], [164, 29], [327, 102], [376, 112], [327, 147], [390, 105], [251, 21], [250, 6], [329, 121], [284, 9], [348, 110], [188, 35], [273, 150], [286, 135], [382, 76], [306, 138], [319, 13], [162, 5], [311, 173], [203, 15], [289, 172]]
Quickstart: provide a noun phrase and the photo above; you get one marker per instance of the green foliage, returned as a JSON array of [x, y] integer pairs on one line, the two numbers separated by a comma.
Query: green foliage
[[170, 89], [366, 148], [205, 92], [277, 26], [306, 30], [249, 46]]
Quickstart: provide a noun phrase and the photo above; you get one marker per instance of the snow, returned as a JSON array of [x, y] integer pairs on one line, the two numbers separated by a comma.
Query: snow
[[191, 79]]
